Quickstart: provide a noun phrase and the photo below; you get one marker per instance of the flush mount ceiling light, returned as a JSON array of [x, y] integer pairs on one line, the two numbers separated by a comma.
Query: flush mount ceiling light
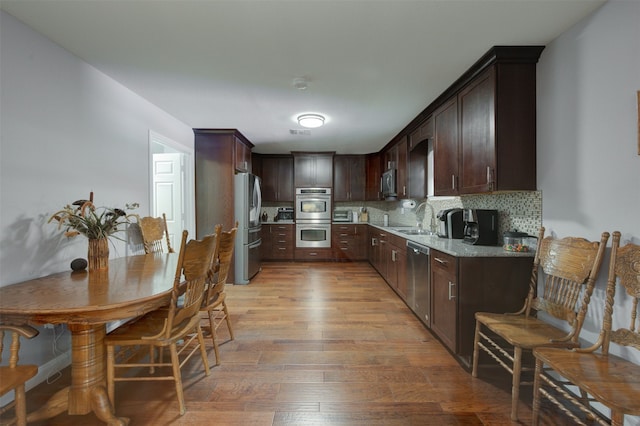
[[311, 121]]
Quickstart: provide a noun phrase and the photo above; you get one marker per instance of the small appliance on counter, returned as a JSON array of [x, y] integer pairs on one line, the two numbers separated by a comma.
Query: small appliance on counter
[[341, 216], [519, 241], [450, 224], [284, 214], [480, 227]]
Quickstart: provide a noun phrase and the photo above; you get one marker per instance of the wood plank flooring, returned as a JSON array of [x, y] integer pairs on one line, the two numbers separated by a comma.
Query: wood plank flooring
[[318, 344]]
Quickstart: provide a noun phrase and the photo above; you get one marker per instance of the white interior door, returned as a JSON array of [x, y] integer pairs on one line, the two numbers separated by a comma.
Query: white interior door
[[168, 185]]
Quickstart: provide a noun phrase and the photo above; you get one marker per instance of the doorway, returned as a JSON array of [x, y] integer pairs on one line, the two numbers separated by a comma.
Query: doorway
[[172, 185]]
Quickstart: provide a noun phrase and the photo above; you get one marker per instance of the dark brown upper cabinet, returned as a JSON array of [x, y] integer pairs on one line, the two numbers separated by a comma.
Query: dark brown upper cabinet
[[313, 169], [349, 177], [277, 178], [374, 173]]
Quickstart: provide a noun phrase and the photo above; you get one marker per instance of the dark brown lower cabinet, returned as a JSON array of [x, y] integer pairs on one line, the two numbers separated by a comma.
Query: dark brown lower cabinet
[[462, 286], [349, 241], [388, 255], [278, 242]]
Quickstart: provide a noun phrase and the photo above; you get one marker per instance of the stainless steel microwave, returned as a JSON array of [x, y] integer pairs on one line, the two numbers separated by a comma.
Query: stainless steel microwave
[[388, 184]]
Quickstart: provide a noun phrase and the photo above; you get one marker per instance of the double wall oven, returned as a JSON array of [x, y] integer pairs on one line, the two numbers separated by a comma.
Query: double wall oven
[[313, 217]]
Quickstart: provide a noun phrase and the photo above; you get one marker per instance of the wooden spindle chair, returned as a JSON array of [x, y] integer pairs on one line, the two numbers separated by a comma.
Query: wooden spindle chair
[[176, 327], [153, 231], [13, 376], [215, 304], [569, 268], [599, 375]]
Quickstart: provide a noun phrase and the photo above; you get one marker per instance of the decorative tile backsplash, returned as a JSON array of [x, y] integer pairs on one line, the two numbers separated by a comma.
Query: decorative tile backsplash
[[521, 210]]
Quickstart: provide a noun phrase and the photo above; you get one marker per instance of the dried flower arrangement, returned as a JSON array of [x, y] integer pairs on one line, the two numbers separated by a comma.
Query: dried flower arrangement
[[83, 217]]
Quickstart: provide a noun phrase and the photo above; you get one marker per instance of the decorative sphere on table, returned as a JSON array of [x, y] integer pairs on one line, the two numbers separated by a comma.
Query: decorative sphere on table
[[79, 264]]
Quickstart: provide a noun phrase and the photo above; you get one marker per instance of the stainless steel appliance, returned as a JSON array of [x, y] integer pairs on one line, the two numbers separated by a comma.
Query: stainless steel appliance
[[313, 204], [480, 227], [388, 184], [284, 214], [248, 204], [313, 234], [450, 224], [342, 216], [419, 281], [313, 217]]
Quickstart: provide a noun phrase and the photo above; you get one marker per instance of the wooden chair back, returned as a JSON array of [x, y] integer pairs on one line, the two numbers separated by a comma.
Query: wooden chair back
[[153, 231], [624, 269], [193, 265], [569, 268], [14, 375], [219, 272]]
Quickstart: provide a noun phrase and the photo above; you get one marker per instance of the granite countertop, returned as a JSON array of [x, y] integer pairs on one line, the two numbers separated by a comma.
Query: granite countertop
[[453, 247]]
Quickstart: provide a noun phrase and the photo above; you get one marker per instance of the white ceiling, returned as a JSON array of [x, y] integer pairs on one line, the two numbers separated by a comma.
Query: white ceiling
[[371, 66]]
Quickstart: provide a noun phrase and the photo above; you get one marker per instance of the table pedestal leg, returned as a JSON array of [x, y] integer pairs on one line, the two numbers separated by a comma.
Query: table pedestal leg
[[87, 391]]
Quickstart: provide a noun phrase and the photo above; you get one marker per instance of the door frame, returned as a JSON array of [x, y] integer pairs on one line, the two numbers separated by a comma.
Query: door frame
[[160, 142]]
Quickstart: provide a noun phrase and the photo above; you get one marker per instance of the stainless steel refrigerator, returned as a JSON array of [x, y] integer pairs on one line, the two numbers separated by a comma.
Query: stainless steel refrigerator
[[248, 204]]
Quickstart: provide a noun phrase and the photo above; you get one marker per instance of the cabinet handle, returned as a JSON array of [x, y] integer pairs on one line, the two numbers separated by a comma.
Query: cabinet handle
[[441, 261], [404, 190], [451, 295], [453, 181], [393, 255], [374, 242]]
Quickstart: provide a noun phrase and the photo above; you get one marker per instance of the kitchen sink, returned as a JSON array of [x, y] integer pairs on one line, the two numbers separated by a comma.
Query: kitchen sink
[[416, 231]]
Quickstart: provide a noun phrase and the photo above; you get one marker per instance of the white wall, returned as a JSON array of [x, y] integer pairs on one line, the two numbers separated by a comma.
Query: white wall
[[66, 129], [588, 162]]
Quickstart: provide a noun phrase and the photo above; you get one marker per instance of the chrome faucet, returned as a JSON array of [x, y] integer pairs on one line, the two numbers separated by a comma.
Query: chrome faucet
[[432, 219]]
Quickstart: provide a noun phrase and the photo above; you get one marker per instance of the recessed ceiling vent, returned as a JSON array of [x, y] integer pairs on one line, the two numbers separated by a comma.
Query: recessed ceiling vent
[[300, 132]]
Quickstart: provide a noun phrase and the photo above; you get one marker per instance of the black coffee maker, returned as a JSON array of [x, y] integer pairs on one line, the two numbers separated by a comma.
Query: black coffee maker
[[480, 227]]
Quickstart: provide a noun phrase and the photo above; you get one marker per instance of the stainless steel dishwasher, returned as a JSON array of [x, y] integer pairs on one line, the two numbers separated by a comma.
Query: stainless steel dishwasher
[[419, 281]]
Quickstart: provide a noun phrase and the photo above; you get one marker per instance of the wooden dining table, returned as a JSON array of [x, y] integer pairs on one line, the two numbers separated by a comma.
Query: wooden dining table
[[86, 302]]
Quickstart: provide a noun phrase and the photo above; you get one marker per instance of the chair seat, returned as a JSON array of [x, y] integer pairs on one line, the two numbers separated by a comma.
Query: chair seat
[[139, 330], [613, 381], [524, 332], [12, 377]]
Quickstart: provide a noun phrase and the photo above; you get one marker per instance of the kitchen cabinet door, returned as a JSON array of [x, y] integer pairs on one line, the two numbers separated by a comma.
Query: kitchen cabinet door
[[349, 177], [396, 158], [477, 134], [444, 298], [402, 156], [397, 268], [376, 248], [445, 148], [277, 178], [373, 173], [417, 171], [313, 170], [243, 156]]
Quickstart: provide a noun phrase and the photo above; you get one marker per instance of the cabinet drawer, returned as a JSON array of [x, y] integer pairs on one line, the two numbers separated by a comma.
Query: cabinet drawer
[[444, 262], [313, 254], [281, 252]]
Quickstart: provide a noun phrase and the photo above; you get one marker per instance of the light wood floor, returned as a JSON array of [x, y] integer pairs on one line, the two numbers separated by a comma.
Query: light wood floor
[[319, 344]]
